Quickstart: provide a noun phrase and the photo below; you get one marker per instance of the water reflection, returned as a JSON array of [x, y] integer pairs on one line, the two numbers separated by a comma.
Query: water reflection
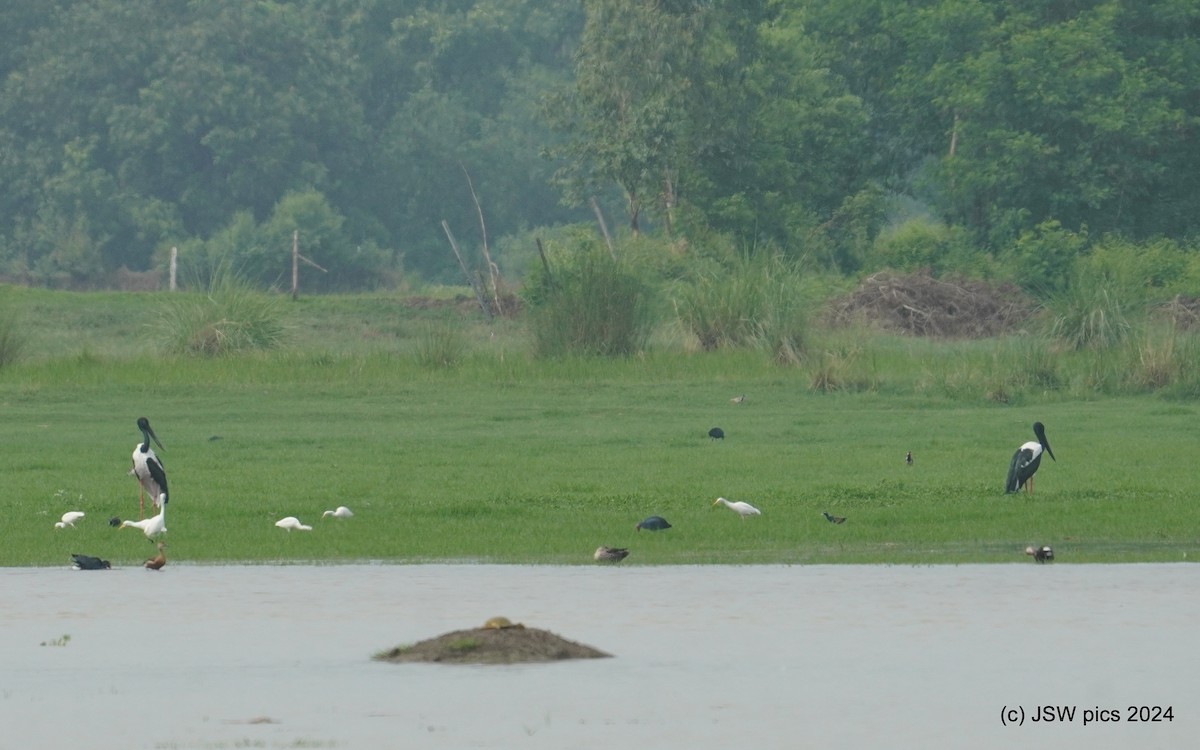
[[707, 657]]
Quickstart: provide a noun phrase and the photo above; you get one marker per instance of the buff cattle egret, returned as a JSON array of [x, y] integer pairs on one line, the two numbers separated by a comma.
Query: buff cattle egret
[[742, 509], [69, 518], [341, 512], [148, 468], [291, 523], [1026, 460]]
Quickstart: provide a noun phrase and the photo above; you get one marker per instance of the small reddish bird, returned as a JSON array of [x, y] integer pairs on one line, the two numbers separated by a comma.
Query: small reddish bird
[[159, 560]]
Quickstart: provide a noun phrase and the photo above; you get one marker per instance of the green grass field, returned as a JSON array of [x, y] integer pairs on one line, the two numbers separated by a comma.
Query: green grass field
[[506, 459]]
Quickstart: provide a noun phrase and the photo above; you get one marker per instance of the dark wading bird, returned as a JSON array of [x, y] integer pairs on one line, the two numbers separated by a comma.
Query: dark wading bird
[[148, 469], [716, 433], [908, 458], [159, 560], [1026, 460], [833, 519], [610, 554], [1040, 554], [87, 562], [653, 523]]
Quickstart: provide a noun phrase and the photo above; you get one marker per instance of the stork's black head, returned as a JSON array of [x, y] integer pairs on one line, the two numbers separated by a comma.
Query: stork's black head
[[148, 434], [1039, 429]]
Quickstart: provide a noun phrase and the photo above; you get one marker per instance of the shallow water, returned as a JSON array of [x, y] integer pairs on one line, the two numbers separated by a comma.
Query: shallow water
[[706, 657]]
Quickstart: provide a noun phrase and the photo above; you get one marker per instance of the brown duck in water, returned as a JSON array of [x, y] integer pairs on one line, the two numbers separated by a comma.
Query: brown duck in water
[[159, 560], [610, 554]]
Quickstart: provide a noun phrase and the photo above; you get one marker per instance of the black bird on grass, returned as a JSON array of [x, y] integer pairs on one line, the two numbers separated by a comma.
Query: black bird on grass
[[908, 458], [1026, 460], [833, 519], [653, 523], [1040, 554], [87, 562], [716, 433]]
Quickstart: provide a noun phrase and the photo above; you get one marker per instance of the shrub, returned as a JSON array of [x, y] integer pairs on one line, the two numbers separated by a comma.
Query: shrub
[[1090, 316], [591, 305], [231, 317], [12, 338], [440, 346]]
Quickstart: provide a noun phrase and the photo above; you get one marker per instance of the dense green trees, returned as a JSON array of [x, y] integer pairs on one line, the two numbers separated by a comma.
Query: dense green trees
[[1023, 131]]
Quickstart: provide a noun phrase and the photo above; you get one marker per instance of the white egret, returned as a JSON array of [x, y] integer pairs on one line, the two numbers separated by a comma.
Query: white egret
[[69, 518], [1026, 460], [147, 467], [291, 523], [341, 512], [610, 554], [154, 525], [742, 509]]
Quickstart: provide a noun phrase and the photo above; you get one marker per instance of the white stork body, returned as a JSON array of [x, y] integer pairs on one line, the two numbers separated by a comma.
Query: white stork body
[[69, 518], [291, 523], [341, 512], [1026, 460], [148, 468], [742, 509], [154, 525]]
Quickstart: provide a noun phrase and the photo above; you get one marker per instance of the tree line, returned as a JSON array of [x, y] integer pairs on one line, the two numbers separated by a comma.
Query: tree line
[[1009, 133]]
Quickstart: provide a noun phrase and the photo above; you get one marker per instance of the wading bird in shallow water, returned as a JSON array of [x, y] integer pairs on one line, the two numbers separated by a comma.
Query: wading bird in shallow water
[[152, 526], [341, 512], [742, 509], [291, 523], [716, 433], [69, 518], [148, 469], [610, 554], [1026, 460], [653, 523], [87, 562], [1040, 554], [833, 519], [159, 560]]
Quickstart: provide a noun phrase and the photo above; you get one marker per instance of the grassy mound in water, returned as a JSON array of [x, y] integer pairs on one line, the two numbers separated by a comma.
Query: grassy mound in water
[[491, 645]]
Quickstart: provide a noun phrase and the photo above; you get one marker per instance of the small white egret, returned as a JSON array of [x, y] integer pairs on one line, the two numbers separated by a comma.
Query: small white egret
[[69, 518], [341, 512], [291, 523], [1026, 460], [742, 509], [154, 525], [147, 467], [610, 554]]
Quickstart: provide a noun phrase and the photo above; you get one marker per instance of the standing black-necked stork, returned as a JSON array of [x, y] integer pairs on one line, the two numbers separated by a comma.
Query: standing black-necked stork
[[1026, 460], [148, 469]]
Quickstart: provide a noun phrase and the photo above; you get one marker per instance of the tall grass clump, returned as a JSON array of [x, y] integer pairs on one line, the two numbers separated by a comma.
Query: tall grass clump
[[230, 317], [590, 304], [761, 302], [1164, 358], [12, 338], [1091, 316], [440, 346]]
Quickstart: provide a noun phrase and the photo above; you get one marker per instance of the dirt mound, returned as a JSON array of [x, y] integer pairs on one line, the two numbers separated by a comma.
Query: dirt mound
[[508, 645], [920, 305]]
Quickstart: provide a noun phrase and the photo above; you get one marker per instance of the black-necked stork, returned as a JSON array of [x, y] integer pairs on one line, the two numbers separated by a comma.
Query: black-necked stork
[[158, 561], [1026, 460], [87, 562], [1040, 554], [610, 554], [341, 512], [716, 433], [148, 469], [742, 509], [833, 519], [69, 518], [653, 523], [291, 523]]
